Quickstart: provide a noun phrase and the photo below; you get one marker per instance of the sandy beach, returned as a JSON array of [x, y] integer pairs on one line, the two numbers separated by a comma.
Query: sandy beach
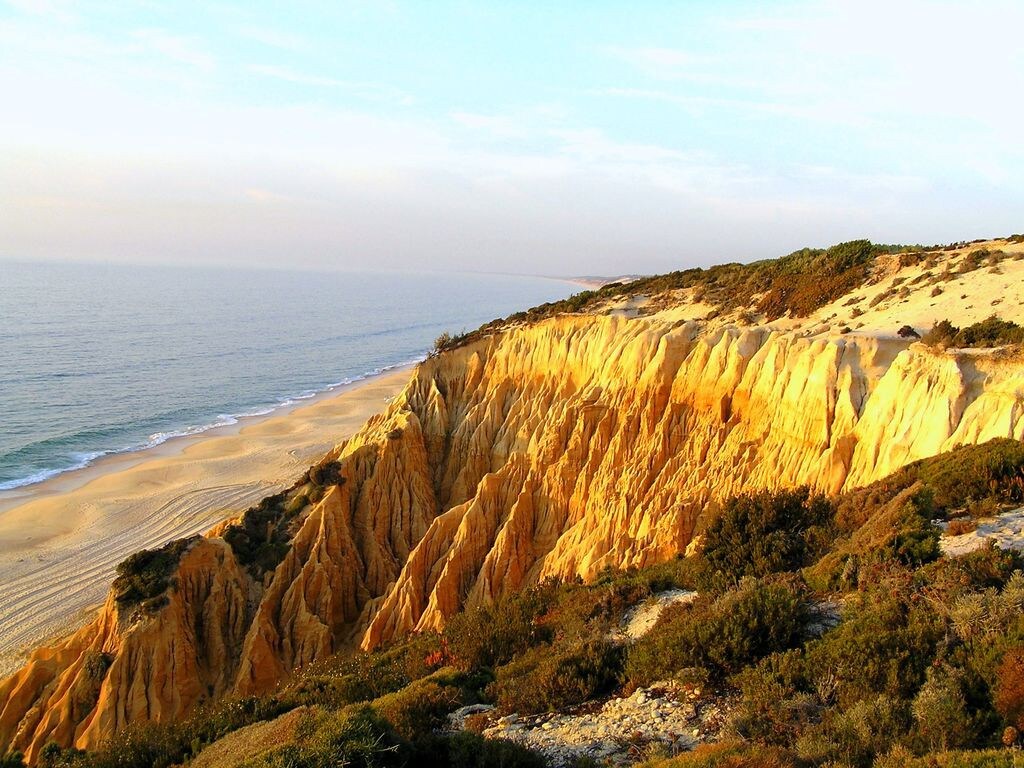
[[61, 539]]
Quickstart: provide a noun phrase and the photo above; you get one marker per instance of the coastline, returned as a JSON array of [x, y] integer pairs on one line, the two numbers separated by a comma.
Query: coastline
[[61, 538], [76, 476]]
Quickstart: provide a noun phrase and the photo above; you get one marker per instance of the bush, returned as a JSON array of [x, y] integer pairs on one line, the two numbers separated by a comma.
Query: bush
[[941, 334], [260, 539], [883, 647], [469, 750], [940, 710], [360, 677], [796, 284], [989, 613], [721, 635], [553, 677], [959, 526], [856, 736], [1009, 699], [152, 745], [419, 708], [356, 737], [992, 470], [776, 704], [493, 634], [762, 534], [988, 567], [991, 332], [901, 757], [447, 341], [144, 576], [730, 755]]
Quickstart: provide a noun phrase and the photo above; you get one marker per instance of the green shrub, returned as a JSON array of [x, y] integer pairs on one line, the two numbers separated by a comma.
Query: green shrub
[[493, 634], [796, 284], [994, 469], [730, 755], [764, 533], [777, 703], [882, 647], [858, 735], [359, 677], [260, 539], [553, 677], [356, 737], [469, 750], [420, 707], [153, 745], [991, 332], [143, 577], [987, 567], [721, 635], [940, 710], [891, 518], [989, 758]]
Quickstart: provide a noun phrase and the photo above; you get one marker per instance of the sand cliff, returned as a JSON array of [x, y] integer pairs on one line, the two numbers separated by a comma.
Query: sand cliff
[[553, 449]]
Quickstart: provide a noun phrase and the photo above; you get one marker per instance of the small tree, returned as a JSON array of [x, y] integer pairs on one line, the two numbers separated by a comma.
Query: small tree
[[940, 710], [441, 343]]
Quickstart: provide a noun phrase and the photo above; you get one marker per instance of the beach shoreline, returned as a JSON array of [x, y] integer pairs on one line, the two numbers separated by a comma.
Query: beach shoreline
[[61, 538], [67, 480]]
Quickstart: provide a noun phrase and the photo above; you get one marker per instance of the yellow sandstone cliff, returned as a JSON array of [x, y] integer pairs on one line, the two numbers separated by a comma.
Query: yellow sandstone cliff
[[553, 449]]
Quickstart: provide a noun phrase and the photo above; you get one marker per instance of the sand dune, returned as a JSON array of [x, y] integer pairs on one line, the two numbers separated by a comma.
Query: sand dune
[[60, 540]]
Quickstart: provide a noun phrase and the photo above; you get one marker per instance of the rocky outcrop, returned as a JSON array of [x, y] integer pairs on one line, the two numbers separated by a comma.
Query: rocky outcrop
[[549, 450], [665, 719], [127, 666]]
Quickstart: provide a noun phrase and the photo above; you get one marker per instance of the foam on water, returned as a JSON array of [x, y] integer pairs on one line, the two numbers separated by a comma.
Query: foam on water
[[98, 360]]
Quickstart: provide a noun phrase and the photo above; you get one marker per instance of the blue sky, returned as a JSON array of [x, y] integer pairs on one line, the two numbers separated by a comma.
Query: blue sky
[[554, 137]]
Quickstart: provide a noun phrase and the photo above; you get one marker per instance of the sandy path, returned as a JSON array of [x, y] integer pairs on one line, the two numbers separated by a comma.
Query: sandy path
[[60, 540]]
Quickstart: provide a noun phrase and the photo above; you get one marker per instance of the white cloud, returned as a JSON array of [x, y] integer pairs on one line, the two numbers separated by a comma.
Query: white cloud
[[274, 38], [368, 91], [496, 126], [182, 50], [54, 10]]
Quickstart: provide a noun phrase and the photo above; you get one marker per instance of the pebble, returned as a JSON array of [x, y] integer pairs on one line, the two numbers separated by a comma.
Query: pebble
[[611, 731]]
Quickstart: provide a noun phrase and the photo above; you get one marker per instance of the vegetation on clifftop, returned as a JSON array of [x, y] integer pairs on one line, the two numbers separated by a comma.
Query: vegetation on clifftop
[[142, 578], [796, 284], [992, 332]]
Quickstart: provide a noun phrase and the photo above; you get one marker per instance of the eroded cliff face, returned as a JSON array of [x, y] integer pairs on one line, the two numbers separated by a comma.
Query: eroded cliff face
[[555, 449]]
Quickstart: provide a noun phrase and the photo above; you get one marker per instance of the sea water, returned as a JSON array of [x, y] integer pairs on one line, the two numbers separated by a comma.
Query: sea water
[[100, 359]]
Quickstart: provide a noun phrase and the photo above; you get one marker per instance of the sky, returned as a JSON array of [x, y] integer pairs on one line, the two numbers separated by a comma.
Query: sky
[[561, 138]]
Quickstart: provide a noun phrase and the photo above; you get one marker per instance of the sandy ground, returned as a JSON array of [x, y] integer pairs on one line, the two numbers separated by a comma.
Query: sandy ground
[[917, 296], [640, 619], [61, 539], [1006, 531]]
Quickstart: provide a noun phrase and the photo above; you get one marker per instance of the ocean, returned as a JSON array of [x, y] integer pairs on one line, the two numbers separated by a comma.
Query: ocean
[[102, 359]]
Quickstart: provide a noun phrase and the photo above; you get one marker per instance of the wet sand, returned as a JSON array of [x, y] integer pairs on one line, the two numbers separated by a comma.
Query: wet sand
[[61, 539]]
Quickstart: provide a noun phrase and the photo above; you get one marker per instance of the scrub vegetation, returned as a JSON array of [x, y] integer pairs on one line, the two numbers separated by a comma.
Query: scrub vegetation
[[835, 626]]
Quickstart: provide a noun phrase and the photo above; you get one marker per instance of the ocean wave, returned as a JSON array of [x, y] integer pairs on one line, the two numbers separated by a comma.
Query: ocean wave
[[84, 459]]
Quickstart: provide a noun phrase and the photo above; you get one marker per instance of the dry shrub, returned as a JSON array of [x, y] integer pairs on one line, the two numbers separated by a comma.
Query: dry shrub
[[960, 526], [1009, 699]]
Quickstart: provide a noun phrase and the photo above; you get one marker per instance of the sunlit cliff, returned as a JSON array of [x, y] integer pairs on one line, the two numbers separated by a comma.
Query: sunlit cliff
[[555, 448]]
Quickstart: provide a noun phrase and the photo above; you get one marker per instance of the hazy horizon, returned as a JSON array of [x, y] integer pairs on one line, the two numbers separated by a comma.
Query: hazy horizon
[[583, 139]]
